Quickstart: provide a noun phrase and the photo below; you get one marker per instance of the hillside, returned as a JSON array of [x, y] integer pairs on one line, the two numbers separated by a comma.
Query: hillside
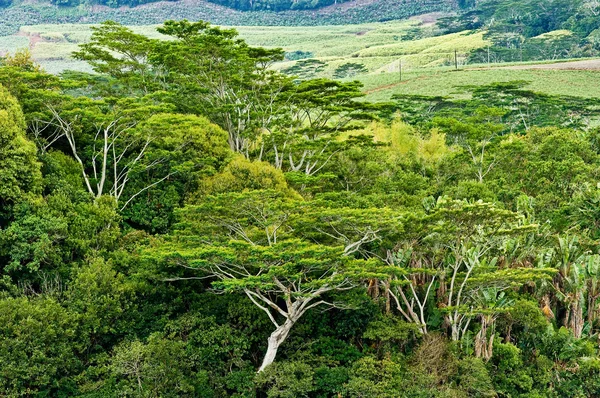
[[523, 30], [376, 46], [369, 52], [353, 12]]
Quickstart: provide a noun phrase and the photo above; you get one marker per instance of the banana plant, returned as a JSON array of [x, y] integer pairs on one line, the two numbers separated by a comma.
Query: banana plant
[[491, 302], [575, 265]]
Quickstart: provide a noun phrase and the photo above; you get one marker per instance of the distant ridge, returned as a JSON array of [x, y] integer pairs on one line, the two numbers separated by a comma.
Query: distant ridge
[[353, 12]]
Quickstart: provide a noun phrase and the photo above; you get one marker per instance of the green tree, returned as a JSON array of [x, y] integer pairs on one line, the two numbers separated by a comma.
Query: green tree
[[20, 170], [349, 69], [462, 247], [253, 251], [38, 346], [305, 69]]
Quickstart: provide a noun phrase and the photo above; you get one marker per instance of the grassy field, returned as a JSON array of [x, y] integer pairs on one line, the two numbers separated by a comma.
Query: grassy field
[[427, 62], [378, 46], [448, 82]]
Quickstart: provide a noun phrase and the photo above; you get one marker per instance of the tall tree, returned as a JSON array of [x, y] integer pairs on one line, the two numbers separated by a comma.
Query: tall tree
[[253, 250]]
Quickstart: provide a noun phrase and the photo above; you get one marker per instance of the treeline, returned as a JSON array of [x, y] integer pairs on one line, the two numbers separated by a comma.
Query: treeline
[[519, 29], [276, 5], [187, 222], [241, 5]]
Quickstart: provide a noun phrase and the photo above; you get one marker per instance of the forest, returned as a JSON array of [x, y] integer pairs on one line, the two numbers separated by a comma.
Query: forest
[[240, 5], [189, 222]]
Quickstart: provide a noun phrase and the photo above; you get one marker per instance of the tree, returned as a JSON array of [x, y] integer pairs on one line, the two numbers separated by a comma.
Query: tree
[[574, 261], [475, 135], [349, 69], [305, 136], [459, 260], [221, 77], [305, 69], [254, 251], [158, 367], [116, 51], [186, 149], [20, 171], [38, 346], [113, 147], [209, 71]]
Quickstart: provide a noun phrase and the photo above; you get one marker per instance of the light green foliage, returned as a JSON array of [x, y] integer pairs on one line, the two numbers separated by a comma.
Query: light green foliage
[[390, 333], [254, 250], [473, 377], [369, 377], [244, 175], [19, 168], [156, 368], [185, 149], [102, 297], [513, 382], [55, 230]]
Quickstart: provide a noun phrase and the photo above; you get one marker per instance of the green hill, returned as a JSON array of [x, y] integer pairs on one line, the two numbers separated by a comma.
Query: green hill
[[353, 12]]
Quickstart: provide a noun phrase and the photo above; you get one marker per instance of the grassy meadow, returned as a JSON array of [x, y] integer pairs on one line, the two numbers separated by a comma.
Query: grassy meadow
[[427, 60], [448, 82]]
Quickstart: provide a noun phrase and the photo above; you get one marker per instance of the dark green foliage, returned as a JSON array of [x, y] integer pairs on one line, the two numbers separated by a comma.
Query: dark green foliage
[[296, 55], [287, 380], [349, 69], [306, 69]]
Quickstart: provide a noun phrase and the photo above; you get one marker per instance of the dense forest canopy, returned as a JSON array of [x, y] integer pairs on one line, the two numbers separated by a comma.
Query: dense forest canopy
[[242, 5], [189, 222]]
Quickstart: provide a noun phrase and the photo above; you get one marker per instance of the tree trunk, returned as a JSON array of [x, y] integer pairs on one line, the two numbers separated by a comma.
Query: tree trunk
[[388, 308], [484, 344], [576, 322], [275, 340], [455, 331]]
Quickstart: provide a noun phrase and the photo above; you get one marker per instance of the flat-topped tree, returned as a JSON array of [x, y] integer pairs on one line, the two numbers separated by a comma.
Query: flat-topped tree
[[244, 243], [212, 72], [206, 70], [455, 255], [349, 69], [217, 74], [304, 136], [305, 69]]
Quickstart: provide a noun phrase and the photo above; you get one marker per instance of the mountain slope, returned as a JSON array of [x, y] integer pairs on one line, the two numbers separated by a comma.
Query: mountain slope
[[353, 12]]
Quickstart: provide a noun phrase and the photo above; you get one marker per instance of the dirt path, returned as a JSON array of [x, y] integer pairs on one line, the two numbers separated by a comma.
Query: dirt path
[[33, 38], [391, 85]]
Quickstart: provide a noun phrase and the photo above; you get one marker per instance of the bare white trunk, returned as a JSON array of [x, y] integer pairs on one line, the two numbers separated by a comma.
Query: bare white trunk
[[275, 340]]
